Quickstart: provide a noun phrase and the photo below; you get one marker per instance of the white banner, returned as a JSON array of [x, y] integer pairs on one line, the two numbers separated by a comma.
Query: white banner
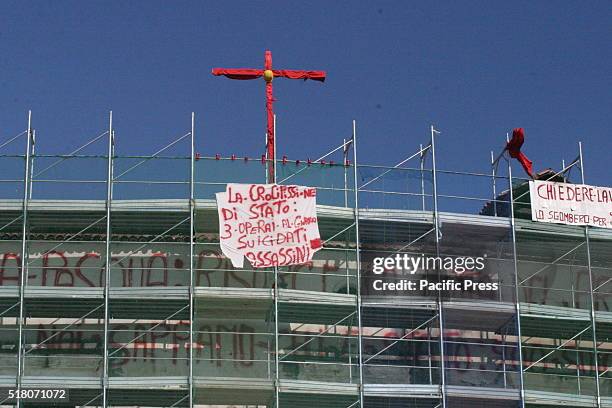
[[571, 204], [269, 224]]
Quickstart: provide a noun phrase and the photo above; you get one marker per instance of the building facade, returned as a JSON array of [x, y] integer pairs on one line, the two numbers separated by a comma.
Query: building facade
[[114, 287]]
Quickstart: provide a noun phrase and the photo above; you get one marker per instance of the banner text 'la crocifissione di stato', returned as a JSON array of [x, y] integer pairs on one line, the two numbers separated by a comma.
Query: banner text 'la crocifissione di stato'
[[269, 224], [571, 204]]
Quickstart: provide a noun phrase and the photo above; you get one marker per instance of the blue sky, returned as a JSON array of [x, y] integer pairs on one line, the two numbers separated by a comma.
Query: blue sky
[[475, 69]]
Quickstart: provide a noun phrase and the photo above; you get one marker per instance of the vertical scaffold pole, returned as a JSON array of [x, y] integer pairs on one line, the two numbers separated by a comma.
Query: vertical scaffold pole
[[503, 350], [276, 293], [345, 158], [588, 254], [563, 167], [191, 249], [358, 264], [265, 155], [23, 282], [275, 153], [32, 164], [517, 301], [422, 165], [345, 152], [108, 257], [578, 361], [437, 232], [494, 177]]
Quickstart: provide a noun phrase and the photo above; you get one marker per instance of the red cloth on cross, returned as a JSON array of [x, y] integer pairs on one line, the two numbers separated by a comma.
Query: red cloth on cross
[[291, 74], [248, 73], [245, 73], [514, 149]]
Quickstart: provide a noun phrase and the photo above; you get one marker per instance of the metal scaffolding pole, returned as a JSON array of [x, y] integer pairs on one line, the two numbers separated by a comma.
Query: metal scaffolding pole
[[422, 167], [437, 231], [32, 164], [345, 161], [275, 155], [345, 152], [504, 358], [494, 177], [429, 356], [191, 249], [358, 263], [27, 180], [276, 293], [588, 253], [516, 282], [108, 257]]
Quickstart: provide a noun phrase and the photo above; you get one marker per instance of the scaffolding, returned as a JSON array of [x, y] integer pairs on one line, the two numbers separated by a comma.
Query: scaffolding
[[114, 285]]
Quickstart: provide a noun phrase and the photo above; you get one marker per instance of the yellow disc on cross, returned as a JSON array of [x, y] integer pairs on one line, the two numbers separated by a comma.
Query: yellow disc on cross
[[268, 75]]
